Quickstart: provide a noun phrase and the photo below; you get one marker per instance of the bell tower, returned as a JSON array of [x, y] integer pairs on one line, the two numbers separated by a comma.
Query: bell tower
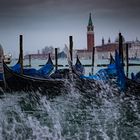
[[90, 34]]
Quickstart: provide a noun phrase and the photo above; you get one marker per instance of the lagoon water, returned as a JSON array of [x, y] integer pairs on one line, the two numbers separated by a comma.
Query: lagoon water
[[79, 115]]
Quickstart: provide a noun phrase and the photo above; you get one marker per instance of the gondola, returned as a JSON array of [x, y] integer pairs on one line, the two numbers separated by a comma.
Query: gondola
[[20, 82], [16, 81], [51, 87]]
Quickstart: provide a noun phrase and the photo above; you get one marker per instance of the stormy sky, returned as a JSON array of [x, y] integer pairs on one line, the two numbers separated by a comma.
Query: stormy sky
[[51, 22]]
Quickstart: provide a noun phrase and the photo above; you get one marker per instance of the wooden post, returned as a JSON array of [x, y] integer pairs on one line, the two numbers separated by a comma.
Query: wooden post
[[71, 49], [1, 66], [30, 60], [56, 60], [92, 69], [121, 47], [21, 52], [127, 60]]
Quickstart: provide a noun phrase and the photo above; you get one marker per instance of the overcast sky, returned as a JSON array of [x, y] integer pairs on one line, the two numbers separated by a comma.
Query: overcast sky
[[51, 22]]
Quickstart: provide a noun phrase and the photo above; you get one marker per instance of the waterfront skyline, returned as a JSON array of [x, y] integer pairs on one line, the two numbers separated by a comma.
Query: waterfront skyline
[[50, 23]]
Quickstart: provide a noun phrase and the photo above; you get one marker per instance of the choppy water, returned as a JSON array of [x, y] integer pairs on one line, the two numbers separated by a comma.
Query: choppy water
[[89, 114], [105, 114]]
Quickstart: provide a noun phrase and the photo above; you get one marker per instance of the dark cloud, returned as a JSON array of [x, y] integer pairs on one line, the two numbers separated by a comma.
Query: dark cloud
[[19, 3], [95, 4], [63, 7]]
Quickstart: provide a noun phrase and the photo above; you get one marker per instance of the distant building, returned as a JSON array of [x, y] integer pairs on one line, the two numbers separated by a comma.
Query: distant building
[[103, 51], [47, 49], [44, 55], [87, 53], [134, 49], [62, 55], [39, 56], [83, 54]]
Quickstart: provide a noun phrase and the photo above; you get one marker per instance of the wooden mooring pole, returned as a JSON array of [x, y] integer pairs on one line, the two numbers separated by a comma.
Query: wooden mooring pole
[[93, 53], [21, 52], [121, 47], [127, 60], [56, 60], [71, 49], [30, 60]]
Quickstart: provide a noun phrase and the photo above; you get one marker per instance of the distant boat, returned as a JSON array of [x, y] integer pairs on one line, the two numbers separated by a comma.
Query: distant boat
[[7, 58]]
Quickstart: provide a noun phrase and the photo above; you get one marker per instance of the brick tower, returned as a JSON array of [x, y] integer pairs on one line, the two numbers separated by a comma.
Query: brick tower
[[90, 34]]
